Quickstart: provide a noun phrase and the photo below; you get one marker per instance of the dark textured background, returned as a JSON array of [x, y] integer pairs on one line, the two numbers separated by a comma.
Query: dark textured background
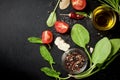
[[20, 60]]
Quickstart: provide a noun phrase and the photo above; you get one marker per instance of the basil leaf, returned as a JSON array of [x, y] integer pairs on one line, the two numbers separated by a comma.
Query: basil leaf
[[101, 51], [80, 35], [34, 40], [51, 19], [115, 46], [46, 54], [50, 72]]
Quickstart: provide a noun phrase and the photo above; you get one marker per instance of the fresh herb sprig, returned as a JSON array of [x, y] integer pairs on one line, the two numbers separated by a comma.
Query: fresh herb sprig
[[52, 17], [114, 4], [82, 39], [50, 71], [44, 52], [47, 56]]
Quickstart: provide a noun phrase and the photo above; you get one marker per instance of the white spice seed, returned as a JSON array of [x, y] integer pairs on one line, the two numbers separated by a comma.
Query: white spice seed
[[91, 49], [98, 33]]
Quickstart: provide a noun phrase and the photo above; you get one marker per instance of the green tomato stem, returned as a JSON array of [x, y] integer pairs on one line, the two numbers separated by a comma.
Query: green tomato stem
[[49, 46]]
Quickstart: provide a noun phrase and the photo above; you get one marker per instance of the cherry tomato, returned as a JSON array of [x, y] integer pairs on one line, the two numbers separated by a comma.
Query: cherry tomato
[[61, 26], [78, 4], [47, 37]]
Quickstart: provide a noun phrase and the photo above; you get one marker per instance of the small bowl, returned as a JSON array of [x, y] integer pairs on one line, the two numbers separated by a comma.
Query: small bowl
[[74, 61], [103, 18]]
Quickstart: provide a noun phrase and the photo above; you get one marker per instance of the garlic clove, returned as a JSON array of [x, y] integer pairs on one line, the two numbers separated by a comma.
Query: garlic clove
[[64, 4], [57, 40]]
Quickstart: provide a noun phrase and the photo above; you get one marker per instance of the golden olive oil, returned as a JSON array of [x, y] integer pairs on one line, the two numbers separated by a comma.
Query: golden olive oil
[[103, 18]]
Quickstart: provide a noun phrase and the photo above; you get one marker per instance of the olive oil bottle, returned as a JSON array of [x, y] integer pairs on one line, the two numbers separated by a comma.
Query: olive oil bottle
[[103, 18]]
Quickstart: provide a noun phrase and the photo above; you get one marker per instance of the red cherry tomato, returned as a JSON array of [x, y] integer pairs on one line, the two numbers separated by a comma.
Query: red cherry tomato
[[47, 37], [78, 4], [61, 26]]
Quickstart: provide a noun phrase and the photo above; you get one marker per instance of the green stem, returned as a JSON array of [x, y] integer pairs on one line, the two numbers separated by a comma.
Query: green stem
[[112, 4], [110, 61], [51, 66], [104, 66], [49, 46], [87, 75], [88, 56], [56, 5], [60, 78], [88, 72], [64, 78], [93, 72]]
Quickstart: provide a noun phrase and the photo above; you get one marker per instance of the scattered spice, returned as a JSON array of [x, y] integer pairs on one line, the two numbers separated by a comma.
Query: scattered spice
[[98, 33], [91, 49]]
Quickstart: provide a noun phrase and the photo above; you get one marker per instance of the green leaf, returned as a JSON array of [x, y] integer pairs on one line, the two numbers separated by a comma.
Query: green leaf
[[80, 35], [113, 4], [50, 72], [115, 46], [51, 19], [82, 13], [46, 54], [101, 51], [34, 40]]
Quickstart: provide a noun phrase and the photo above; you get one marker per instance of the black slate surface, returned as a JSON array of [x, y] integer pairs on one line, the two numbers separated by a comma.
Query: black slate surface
[[20, 60]]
